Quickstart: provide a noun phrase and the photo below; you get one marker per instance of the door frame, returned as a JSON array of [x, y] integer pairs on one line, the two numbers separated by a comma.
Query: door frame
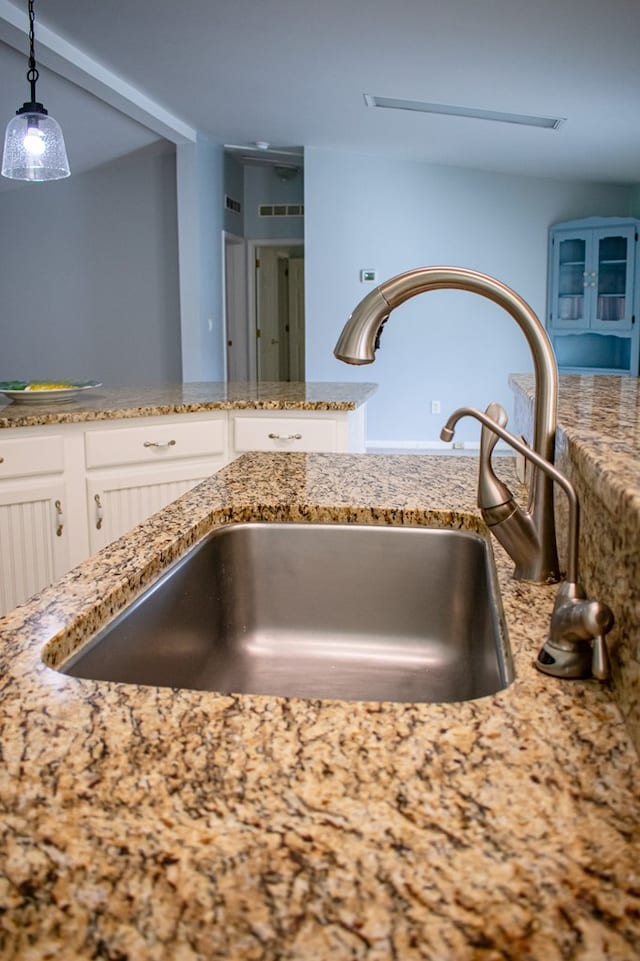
[[234, 311]]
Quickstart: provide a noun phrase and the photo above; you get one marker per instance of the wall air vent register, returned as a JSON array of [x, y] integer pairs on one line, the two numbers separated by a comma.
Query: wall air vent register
[[281, 210]]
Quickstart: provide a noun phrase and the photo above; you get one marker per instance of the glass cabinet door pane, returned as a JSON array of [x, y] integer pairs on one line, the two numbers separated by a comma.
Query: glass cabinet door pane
[[571, 278], [612, 279]]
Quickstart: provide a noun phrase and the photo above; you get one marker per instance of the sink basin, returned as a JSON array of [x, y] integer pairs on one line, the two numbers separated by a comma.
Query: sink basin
[[316, 610]]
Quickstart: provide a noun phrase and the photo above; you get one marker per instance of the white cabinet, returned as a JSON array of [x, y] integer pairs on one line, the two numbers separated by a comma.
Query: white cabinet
[[134, 471], [70, 489], [117, 503], [34, 541], [298, 431], [594, 295], [67, 492]]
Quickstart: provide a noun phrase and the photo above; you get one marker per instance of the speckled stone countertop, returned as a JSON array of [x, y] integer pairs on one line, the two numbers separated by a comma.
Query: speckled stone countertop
[[107, 403], [600, 416], [146, 823], [598, 448]]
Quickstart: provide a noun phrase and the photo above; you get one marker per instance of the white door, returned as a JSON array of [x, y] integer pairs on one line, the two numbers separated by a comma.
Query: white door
[[296, 319], [267, 310], [279, 286], [235, 296]]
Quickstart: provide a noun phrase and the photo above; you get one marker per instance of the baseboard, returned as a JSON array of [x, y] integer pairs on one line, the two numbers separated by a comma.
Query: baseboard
[[432, 447]]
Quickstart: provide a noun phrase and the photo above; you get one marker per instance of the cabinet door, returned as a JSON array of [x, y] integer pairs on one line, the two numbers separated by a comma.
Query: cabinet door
[[611, 279], [34, 548], [118, 502], [570, 267], [277, 432]]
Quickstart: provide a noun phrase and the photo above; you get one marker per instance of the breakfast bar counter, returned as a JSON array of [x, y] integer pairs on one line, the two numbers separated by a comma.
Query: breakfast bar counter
[[111, 403], [153, 823], [598, 449]]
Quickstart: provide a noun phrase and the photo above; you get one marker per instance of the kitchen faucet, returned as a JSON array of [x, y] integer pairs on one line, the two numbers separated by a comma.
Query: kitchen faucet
[[528, 536], [575, 646]]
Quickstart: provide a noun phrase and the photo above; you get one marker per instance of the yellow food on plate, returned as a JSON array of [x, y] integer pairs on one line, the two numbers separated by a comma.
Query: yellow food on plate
[[48, 386]]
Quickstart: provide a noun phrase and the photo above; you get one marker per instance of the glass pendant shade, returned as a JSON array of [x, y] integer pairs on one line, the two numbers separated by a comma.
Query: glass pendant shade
[[34, 146]]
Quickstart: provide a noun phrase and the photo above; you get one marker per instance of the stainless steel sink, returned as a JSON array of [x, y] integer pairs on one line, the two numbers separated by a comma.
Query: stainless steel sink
[[316, 610]]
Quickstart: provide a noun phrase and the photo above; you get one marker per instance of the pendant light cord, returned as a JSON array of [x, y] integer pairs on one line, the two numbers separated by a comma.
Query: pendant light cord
[[34, 147], [32, 72]]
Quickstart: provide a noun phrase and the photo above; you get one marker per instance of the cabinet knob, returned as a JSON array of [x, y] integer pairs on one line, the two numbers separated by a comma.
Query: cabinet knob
[[59, 518], [155, 443]]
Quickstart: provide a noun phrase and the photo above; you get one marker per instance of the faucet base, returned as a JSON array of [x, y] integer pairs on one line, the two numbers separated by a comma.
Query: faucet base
[[559, 662], [576, 646]]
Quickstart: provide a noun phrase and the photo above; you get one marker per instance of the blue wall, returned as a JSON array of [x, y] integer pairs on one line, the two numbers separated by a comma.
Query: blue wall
[[89, 274], [234, 188], [261, 186], [254, 185], [371, 211], [200, 179]]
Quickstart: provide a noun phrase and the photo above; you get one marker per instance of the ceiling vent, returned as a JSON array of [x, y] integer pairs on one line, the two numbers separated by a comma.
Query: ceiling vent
[[448, 110]]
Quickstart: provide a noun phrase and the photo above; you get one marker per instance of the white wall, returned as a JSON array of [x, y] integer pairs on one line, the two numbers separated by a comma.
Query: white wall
[[368, 211], [88, 274], [200, 195]]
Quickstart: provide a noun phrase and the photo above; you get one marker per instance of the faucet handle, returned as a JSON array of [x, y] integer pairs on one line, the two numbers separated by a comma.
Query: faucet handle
[[491, 490], [489, 439], [600, 667]]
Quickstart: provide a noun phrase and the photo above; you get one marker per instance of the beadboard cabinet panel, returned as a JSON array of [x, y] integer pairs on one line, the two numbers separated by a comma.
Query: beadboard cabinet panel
[[117, 503], [34, 548]]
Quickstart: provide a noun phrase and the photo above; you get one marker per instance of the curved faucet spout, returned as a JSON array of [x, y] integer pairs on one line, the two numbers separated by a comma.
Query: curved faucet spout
[[361, 337]]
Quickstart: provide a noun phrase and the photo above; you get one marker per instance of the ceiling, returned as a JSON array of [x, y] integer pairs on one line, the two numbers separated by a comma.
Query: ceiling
[[295, 72]]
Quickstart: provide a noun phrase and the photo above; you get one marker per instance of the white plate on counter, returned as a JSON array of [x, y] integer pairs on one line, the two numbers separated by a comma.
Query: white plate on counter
[[47, 395]]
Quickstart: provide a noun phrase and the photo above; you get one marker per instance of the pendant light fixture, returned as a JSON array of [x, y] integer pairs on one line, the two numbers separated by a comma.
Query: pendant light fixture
[[33, 144]]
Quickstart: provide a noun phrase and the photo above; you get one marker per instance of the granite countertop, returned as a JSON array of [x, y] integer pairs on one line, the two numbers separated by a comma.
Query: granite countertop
[[598, 447], [107, 403], [145, 823], [600, 417]]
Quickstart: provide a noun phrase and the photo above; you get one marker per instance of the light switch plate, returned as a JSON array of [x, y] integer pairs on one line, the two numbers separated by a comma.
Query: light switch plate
[[367, 275]]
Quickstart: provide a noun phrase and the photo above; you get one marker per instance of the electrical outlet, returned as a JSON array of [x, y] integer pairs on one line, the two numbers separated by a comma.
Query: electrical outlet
[[435, 406]]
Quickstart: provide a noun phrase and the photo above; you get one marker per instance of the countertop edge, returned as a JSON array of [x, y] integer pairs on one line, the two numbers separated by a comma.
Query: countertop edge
[[108, 403]]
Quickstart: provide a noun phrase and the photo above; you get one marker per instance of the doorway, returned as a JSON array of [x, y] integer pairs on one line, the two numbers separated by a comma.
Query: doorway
[[279, 311], [264, 309]]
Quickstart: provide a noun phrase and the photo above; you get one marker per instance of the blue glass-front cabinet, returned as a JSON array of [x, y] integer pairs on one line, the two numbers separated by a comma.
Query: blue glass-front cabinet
[[593, 294]]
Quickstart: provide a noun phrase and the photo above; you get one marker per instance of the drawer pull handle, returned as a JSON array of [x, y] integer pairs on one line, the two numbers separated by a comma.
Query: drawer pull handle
[[155, 443], [285, 436], [1, 460], [59, 518], [99, 512]]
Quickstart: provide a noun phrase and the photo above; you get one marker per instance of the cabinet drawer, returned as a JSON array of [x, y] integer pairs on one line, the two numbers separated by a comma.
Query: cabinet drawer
[[154, 443], [285, 433], [23, 456]]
